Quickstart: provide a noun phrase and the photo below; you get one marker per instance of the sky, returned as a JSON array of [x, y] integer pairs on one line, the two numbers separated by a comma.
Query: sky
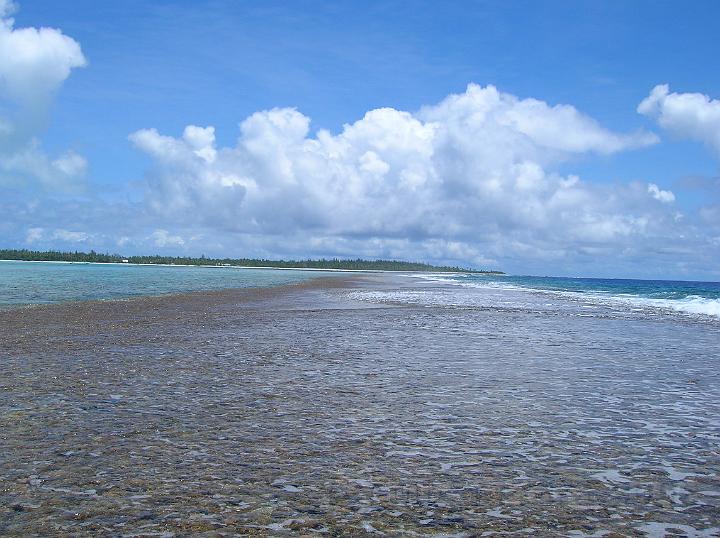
[[577, 138]]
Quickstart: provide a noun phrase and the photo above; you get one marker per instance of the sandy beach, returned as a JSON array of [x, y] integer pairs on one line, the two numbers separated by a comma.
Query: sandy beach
[[301, 410]]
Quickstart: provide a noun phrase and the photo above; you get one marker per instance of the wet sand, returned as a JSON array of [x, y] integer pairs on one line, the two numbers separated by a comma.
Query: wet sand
[[299, 411]]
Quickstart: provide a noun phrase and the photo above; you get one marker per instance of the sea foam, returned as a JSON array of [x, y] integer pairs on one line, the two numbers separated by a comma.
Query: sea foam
[[695, 305]]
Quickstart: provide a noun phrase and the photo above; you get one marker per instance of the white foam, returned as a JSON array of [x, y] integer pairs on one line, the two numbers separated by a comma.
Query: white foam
[[693, 304], [690, 305], [698, 305]]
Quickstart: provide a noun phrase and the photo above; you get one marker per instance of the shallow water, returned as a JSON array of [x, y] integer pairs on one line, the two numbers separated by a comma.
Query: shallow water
[[331, 412], [23, 283]]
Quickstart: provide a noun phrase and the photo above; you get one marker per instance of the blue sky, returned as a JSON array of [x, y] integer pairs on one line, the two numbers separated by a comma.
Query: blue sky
[[167, 65]]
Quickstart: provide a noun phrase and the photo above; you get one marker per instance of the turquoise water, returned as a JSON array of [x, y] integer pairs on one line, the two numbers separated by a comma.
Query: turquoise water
[[37, 283], [24, 283]]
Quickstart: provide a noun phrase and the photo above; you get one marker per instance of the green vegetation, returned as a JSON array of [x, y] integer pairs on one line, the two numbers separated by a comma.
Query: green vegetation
[[335, 263], [55, 256]]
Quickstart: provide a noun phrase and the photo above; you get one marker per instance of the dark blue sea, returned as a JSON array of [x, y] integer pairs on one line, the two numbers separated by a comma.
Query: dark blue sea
[[579, 296]]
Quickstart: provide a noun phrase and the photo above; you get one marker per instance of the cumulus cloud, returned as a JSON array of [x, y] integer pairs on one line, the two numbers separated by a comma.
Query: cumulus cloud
[[473, 172], [163, 238], [559, 129], [34, 63], [687, 115], [60, 173], [71, 236], [693, 116], [660, 195], [37, 234], [7, 8], [473, 179]]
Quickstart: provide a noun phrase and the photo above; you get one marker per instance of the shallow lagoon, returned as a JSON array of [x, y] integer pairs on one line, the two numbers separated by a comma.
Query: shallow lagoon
[[52, 282]]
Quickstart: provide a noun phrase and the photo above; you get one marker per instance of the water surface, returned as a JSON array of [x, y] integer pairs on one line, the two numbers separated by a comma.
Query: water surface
[[697, 300], [49, 282], [403, 407]]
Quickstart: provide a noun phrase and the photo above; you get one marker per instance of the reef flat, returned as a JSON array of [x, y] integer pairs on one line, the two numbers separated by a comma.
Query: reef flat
[[304, 409]]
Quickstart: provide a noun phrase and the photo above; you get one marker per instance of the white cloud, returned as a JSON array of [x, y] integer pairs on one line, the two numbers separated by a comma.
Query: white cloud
[[37, 234], [687, 115], [33, 234], [660, 195], [474, 170], [7, 8], [559, 129], [70, 164], [62, 173], [70, 236], [471, 180], [34, 63], [163, 238]]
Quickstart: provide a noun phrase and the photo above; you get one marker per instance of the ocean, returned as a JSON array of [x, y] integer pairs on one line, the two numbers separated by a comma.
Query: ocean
[[24, 283], [624, 298]]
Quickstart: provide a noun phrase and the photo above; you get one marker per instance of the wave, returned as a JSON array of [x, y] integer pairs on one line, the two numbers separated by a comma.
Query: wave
[[690, 305]]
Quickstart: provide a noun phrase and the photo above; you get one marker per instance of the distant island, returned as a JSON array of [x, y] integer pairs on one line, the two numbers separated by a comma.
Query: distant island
[[334, 263]]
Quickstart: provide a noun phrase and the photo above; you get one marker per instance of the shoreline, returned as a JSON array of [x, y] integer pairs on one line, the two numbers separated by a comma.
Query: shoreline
[[317, 269]]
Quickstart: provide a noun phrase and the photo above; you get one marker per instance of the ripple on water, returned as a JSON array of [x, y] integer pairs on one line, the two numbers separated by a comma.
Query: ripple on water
[[369, 421]]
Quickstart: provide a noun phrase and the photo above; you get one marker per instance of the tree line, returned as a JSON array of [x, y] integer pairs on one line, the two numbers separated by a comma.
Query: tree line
[[333, 263]]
